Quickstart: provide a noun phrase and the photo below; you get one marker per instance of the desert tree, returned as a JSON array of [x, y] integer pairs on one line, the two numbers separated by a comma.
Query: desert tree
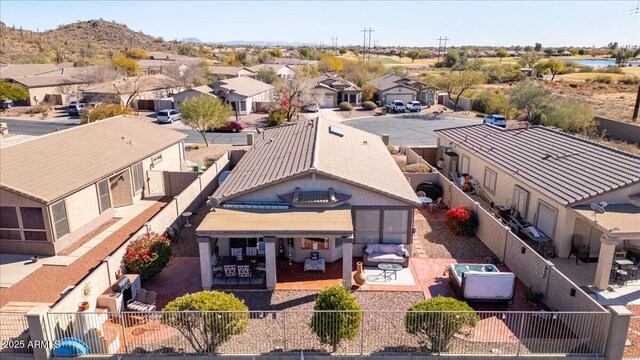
[[532, 99], [267, 75], [296, 94], [502, 53], [553, 66], [203, 113], [529, 58], [455, 83]]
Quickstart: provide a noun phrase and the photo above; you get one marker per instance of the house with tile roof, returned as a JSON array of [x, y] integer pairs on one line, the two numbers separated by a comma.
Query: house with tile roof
[[305, 187], [55, 84], [187, 94], [393, 87], [333, 90], [57, 188], [226, 72], [282, 70], [242, 93], [551, 178]]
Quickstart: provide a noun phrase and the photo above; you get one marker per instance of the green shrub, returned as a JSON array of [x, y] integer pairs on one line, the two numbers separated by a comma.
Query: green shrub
[[378, 104], [368, 105], [569, 114], [105, 111], [436, 321], [585, 69], [277, 116], [630, 80], [604, 79], [337, 316], [387, 108], [147, 255], [533, 297], [415, 168], [207, 331], [345, 106], [13, 91], [488, 102]]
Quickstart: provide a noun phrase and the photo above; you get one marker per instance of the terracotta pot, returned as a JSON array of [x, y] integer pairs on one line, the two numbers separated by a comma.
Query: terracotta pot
[[359, 277], [83, 306]]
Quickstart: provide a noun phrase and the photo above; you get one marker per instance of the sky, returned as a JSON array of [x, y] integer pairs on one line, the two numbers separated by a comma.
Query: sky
[[403, 23]]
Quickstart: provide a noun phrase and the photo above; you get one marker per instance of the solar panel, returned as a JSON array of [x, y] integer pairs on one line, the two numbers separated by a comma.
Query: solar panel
[[336, 130]]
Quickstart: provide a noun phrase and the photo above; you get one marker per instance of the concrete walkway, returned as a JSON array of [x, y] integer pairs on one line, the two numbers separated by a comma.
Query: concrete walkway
[[329, 114], [15, 267]]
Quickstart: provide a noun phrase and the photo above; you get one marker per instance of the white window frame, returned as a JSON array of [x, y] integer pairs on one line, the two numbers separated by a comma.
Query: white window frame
[[66, 219], [100, 203], [133, 178], [489, 184], [463, 166]]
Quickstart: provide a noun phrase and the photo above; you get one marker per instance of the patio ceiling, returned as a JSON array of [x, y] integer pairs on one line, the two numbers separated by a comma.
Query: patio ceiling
[[624, 217], [262, 222]]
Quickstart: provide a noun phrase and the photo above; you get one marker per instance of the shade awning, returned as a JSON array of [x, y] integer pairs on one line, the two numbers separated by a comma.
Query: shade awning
[[261, 222], [618, 219]]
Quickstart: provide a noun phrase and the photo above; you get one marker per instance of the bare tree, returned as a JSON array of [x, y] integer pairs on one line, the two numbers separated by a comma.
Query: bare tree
[[296, 94]]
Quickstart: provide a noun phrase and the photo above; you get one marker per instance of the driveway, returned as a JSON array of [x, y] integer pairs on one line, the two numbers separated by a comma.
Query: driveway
[[409, 129]]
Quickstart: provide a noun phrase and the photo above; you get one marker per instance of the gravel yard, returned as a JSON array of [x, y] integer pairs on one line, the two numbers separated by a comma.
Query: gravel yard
[[186, 244]]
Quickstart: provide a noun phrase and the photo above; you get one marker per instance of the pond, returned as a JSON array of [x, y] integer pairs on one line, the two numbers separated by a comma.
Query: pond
[[599, 62]]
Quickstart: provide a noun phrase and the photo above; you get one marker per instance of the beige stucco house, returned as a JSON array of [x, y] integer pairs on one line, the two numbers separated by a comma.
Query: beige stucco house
[[242, 93], [226, 72], [309, 186], [332, 90], [54, 84], [551, 178], [393, 87], [145, 92], [57, 188], [191, 93], [282, 70]]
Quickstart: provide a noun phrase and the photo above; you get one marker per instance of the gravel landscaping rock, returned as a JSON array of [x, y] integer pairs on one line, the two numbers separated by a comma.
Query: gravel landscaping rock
[[434, 240]]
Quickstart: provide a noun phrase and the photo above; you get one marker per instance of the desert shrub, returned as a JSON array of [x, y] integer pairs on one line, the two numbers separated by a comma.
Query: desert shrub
[[378, 104], [461, 221], [502, 73], [401, 163], [39, 109], [206, 332], [489, 102], [341, 322], [585, 69], [436, 321], [277, 116], [533, 297], [129, 65], [137, 53], [630, 80], [345, 106], [569, 114], [209, 160], [387, 109], [604, 79], [415, 168], [147, 255], [612, 70], [105, 111], [368, 105], [392, 150]]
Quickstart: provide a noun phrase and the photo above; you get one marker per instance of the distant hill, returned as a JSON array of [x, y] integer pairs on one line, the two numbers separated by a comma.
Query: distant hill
[[93, 39], [191, 40]]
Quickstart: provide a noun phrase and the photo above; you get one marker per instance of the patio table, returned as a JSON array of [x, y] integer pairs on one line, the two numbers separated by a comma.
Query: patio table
[[425, 200], [623, 262], [389, 270], [246, 260]]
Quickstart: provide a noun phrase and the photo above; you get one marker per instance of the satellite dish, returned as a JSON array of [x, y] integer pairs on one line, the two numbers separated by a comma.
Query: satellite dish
[[598, 209]]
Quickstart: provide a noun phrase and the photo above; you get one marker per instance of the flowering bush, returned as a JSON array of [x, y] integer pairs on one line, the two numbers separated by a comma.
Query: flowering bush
[[147, 255], [461, 221]]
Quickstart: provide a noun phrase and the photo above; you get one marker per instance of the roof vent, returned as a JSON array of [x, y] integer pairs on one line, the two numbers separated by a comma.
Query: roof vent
[[335, 130]]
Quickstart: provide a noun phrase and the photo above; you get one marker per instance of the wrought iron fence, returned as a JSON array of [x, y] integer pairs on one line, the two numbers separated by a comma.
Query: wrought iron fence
[[340, 332], [14, 334]]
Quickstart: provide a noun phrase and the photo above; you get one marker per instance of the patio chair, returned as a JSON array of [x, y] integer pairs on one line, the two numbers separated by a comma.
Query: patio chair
[[216, 266], [244, 272], [145, 301], [579, 249], [261, 270], [230, 272]]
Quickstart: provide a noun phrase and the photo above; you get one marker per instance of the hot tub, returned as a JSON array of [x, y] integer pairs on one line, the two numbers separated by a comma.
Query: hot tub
[[482, 282]]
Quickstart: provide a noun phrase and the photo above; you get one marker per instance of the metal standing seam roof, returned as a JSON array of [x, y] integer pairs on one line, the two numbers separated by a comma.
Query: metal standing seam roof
[[53, 166], [565, 167], [358, 158]]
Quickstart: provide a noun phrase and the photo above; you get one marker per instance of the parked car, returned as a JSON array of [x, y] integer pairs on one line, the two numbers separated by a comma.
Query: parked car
[[398, 106], [7, 104], [312, 108], [495, 119], [168, 116], [233, 126], [74, 108], [414, 106]]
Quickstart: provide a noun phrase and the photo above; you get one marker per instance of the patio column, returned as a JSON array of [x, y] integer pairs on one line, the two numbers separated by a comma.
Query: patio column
[[605, 259], [347, 260], [206, 271], [270, 261]]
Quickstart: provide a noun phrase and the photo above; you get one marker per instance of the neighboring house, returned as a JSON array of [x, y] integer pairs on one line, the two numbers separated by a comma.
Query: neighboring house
[[59, 187], [551, 177], [191, 93], [242, 93], [333, 90], [393, 87], [294, 63], [51, 83], [309, 185], [140, 92], [151, 66], [226, 72], [283, 71]]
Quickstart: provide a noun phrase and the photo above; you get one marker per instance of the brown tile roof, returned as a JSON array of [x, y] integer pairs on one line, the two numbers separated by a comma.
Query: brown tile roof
[[285, 152], [10, 71], [244, 86], [332, 81], [391, 80], [226, 70], [127, 85], [52, 166], [565, 167]]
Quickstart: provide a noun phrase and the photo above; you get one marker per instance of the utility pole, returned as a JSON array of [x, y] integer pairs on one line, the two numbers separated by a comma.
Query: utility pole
[[364, 42], [440, 50], [635, 108], [445, 44], [370, 30]]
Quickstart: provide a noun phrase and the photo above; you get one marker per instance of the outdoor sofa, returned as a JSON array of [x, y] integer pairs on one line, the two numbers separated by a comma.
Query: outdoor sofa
[[375, 254]]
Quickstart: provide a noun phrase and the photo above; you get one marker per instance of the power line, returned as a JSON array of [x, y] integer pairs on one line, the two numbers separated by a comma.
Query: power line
[[364, 42], [440, 51]]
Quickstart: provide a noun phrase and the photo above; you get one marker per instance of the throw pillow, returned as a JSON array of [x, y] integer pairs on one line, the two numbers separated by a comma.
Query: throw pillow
[[369, 250]]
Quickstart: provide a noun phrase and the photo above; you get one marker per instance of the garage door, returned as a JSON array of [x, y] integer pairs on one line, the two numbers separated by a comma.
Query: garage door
[[328, 101], [546, 221], [404, 97]]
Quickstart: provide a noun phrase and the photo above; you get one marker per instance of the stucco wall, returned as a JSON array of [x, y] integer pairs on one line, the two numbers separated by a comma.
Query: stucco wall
[[619, 130], [82, 207], [185, 95], [170, 162]]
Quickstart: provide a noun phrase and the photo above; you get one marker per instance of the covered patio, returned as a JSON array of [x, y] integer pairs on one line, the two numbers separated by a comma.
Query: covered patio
[[270, 233]]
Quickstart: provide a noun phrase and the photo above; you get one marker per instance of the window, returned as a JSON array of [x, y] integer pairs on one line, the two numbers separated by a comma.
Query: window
[[33, 223], [367, 227], [339, 242], [60, 223], [136, 170], [395, 226], [490, 177], [9, 225], [520, 200], [243, 106], [307, 243], [103, 196], [464, 165], [546, 219]]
